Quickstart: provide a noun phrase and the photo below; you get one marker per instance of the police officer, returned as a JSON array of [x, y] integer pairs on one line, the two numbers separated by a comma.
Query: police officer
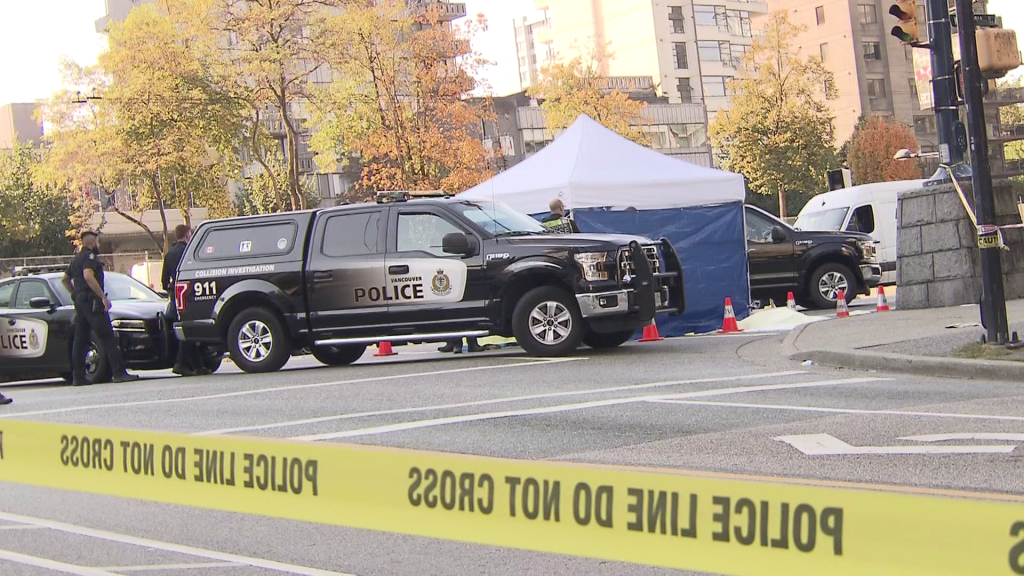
[[187, 363], [558, 222], [84, 279]]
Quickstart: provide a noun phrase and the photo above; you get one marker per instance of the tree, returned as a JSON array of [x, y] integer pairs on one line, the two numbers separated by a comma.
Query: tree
[[778, 131], [274, 49], [161, 127], [399, 100], [261, 192], [579, 87], [33, 219], [871, 149]]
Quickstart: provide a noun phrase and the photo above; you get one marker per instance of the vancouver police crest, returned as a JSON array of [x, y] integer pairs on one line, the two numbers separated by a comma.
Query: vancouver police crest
[[441, 285], [33, 340]]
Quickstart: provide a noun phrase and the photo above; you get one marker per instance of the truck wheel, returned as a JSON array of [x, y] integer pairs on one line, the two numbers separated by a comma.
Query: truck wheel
[[339, 355], [827, 280], [257, 341], [598, 340], [547, 322]]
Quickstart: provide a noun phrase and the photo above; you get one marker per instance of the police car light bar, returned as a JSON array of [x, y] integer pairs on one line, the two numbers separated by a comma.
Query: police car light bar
[[38, 269], [404, 195]]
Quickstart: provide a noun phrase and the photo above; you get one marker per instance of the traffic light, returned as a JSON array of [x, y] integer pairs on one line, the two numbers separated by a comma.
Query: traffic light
[[997, 51], [906, 12]]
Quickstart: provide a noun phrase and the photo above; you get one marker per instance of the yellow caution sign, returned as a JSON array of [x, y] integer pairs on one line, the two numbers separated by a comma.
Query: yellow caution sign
[[695, 521], [989, 241]]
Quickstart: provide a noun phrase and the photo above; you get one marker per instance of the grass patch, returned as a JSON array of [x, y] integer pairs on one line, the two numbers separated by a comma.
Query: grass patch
[[979, 351]]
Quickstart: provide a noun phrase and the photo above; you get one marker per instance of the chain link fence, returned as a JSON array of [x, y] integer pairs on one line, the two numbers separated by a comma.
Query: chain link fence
[[121, 262]]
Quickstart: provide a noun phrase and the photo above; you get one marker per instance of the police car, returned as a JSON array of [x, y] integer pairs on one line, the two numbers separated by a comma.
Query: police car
[[37, 318], [407, 270]]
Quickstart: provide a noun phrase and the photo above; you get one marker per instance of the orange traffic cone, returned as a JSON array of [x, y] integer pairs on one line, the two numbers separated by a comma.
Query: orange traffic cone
[[384, 349], [651, 333], [842, 311], [883, 304], [729, 321], [790, 301]]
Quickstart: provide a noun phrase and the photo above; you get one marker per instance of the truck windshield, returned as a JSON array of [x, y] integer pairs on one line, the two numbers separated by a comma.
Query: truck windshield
[[498, 218], [822, 220]]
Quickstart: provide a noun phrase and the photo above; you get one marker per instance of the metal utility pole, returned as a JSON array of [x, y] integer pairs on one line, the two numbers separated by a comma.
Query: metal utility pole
[[993, 303], [947, 114]]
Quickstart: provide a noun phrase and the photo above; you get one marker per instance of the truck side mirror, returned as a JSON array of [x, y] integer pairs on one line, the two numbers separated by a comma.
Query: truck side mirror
[[457, 243], [778, 234]]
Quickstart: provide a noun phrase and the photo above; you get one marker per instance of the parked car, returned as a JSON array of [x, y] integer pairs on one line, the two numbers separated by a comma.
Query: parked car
[[405, 270], [814, 265], [869, 208], [37, 326]]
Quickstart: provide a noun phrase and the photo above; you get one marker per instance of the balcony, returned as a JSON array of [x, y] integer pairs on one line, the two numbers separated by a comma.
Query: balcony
[[541, 4], [629, 84], [1005, 96], [451, 11], [544, 36], [1005, 132]]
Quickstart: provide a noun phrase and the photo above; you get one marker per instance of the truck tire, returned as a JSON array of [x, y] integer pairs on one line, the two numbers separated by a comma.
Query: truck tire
[[339, 355], [598, 340], [827, 279], [258, 342], [547, 322]]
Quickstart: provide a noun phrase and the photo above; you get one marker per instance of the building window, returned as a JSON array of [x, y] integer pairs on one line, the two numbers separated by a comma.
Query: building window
[[867, 14], [819, 12], [824, 51], [679, 55], [676, 136], [872, 50], [685, 91], [738, 22], [924, 125], [706, 15], [713, 51], [876, 88], [913, 87], [675, 17], [715, 85], [739, 52]]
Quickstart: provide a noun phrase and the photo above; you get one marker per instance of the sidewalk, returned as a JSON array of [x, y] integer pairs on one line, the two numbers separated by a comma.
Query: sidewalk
[[913, 341]]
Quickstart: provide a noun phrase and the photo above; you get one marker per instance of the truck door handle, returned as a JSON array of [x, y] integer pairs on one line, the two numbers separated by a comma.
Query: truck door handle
[[322, 276], [403, 269]]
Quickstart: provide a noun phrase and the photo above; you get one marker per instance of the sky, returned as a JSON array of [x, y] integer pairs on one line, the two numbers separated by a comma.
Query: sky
[[37, 33]]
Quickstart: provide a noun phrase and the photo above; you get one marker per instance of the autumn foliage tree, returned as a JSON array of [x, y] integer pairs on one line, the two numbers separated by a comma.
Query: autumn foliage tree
[[778, 131], [577, 86], [871, 149], [398, 100]]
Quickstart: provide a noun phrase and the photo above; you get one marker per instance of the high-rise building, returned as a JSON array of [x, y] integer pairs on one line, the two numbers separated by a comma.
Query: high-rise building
[[692, 48], [531, 55], [874, 72], [18, 125]]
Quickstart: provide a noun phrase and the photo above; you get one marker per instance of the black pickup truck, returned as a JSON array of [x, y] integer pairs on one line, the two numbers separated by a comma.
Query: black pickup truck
[[412, 270], [814, 265]]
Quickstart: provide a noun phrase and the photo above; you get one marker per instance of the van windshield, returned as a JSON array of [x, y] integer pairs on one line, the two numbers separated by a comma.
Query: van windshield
[[822, 220]]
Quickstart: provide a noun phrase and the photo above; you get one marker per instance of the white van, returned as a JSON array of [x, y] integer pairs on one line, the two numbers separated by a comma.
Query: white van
[[869, 208]]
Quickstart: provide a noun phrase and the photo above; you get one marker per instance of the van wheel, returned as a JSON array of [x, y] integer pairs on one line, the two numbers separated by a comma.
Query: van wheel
[[599, 340], [339, 355], [826, 282], [257, 341], [547, 322]]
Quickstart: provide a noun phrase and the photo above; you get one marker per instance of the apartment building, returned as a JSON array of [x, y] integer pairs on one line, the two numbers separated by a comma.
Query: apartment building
[[531, 55], [692, 48]]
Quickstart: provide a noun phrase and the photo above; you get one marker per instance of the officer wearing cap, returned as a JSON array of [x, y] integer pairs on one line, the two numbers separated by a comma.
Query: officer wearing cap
[[84, 279]]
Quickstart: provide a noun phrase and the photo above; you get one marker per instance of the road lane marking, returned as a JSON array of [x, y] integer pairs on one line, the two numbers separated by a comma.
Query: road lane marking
[[52, 564], [966, 436], [404, 426], [845, 410], [165, 546], [145, 567], [320, 419], [286, 388], [828, 445]]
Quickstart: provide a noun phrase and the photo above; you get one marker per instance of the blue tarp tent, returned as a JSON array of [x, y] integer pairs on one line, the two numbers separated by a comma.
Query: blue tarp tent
[[614, 185]]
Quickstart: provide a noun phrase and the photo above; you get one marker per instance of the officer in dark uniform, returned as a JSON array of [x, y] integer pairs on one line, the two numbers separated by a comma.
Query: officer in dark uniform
[[187, 362], [84, 279]]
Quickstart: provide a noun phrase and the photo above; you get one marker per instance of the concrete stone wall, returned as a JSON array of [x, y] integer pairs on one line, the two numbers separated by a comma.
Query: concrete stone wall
[[937, 258]]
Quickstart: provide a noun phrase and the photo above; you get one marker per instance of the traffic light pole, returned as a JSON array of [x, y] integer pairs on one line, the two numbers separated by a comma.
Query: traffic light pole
[[993, 302], [947, 113]]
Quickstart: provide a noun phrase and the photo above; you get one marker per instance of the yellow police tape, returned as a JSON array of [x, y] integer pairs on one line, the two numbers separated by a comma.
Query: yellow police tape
[[661, 518]]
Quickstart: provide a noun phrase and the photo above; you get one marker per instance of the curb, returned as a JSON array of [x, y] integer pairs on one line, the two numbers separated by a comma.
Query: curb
[[921, 365]]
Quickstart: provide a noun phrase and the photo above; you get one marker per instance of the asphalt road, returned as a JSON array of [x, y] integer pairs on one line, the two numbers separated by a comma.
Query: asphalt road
[[717, 403]]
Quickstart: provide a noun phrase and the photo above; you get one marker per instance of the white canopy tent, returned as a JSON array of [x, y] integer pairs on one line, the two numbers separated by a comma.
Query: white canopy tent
[[589, 166]]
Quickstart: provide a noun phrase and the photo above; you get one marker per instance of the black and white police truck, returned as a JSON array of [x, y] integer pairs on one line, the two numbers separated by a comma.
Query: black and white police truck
[[412, 269]]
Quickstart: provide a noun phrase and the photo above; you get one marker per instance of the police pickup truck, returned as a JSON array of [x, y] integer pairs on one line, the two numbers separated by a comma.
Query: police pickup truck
[[410, 269]]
